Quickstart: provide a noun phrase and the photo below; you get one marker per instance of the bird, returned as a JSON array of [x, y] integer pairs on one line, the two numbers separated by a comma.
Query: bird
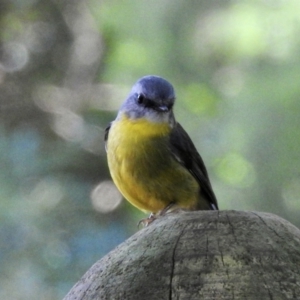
[[151, 158]]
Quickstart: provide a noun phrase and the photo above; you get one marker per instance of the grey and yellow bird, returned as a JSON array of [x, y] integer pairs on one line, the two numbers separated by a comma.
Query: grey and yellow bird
[[151, 158]]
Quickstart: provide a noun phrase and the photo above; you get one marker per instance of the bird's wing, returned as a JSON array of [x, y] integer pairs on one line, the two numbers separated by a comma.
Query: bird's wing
[[186, 153], [106, 134]]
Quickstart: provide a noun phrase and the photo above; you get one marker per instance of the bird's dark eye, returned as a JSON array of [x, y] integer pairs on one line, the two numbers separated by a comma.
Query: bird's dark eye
[[140, 99]]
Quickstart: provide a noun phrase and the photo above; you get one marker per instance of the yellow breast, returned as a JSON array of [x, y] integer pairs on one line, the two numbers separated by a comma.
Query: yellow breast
[[143, 168]]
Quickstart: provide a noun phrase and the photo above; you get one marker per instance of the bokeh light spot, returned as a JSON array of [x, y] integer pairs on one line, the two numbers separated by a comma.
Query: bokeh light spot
[[236, 170], [14, 56], [290, 194], [46, 194], [229, 81], [69, 126], [55, 99], [131, 54], [199, 99], [105, 197], [86, 50]]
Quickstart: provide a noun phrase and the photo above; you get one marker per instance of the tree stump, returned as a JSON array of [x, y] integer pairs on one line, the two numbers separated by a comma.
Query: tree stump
[[200, 255]]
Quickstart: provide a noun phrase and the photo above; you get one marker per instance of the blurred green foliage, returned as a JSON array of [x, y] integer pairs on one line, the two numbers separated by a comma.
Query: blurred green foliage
[[65, 68]]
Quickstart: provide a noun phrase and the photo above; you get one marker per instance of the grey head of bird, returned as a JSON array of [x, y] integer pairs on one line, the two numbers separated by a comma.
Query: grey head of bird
[[151, 97]]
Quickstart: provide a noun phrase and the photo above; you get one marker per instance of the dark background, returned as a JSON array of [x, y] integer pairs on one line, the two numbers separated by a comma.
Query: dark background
[[65, 68]]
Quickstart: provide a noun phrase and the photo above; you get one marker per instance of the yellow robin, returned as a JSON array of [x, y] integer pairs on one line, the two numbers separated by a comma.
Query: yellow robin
[[151, 158]]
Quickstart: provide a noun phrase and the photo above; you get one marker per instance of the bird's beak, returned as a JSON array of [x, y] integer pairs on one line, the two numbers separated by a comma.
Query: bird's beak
[[163, 108]]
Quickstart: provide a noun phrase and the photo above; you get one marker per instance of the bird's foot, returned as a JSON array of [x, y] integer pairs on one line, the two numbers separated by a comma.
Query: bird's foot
[[170, 208], [147, 221]]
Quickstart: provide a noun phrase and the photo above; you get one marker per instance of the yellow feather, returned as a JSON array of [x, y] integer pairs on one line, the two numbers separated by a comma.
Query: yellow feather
[[143, 168]]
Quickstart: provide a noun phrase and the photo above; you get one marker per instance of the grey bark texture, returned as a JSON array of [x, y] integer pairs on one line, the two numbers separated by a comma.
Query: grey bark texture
[[200, 255]]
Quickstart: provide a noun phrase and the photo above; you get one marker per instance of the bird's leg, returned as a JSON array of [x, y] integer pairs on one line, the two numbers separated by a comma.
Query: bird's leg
[[148, 220], [172, 207]]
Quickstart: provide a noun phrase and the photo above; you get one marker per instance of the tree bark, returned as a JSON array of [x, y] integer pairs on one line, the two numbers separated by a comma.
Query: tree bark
[[200, 255]]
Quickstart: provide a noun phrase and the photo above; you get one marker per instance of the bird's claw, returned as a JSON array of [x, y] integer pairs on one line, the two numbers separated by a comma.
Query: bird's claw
[[148, 220], [171, 208]]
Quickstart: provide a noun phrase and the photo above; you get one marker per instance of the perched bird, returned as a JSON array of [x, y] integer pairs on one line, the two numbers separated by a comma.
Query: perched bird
[[151, 158]]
